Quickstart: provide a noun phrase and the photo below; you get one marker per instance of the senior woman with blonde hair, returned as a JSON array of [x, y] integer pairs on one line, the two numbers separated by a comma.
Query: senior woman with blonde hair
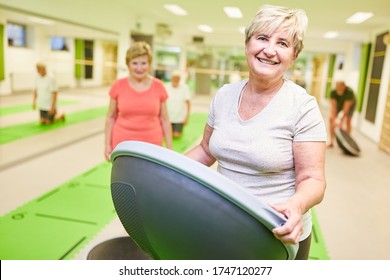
[[267, 133], [137, 109]]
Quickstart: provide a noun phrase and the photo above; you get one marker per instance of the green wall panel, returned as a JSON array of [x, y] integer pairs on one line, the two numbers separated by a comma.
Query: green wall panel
[[332, 61], [364, 59], [79, 58], [2, 58]]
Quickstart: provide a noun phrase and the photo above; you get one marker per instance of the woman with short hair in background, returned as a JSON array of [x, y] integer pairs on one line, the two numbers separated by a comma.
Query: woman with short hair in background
[[137, 109]]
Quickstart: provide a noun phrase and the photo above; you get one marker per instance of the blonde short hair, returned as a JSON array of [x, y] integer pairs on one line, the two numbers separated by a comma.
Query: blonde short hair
[[40, 65], [176, 73], [139, 49], [272, 18]]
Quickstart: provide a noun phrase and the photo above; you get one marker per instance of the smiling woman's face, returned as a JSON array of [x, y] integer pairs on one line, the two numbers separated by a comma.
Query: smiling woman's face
[[139, 67], [270, 55]]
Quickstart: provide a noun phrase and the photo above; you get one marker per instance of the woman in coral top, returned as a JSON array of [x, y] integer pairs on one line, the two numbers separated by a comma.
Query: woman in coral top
[[137, 109]]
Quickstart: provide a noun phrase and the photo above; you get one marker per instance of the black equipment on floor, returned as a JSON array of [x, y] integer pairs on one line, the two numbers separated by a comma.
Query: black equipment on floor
[[346, 142]]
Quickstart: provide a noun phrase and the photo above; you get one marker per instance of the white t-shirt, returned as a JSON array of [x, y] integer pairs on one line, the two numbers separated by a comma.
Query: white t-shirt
[[257, 153], [177, 102], [45, 86]]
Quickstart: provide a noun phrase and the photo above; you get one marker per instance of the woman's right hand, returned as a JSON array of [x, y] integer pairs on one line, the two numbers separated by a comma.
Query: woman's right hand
[[107, 153]]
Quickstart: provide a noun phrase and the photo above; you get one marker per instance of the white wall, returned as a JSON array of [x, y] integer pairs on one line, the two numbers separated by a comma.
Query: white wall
[[20, 62]]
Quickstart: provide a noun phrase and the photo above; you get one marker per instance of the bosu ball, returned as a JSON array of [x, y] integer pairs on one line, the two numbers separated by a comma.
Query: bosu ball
[[346, 142], [175, 208]]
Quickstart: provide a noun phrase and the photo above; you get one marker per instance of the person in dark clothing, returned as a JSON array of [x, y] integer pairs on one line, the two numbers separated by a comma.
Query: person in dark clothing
[[342, 99]]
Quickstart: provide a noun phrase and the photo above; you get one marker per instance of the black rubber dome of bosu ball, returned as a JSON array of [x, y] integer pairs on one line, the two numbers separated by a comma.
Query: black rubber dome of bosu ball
[[175, 208], [346, 142]]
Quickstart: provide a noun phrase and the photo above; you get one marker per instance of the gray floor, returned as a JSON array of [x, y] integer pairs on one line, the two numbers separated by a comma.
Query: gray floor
[[352, 216]]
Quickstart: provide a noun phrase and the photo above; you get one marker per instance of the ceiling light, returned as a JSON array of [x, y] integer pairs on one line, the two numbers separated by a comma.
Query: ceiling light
[[242, 29], [175, 9], [233, 12], [331, 35], [41, 20], [205, 28], [359, 17]]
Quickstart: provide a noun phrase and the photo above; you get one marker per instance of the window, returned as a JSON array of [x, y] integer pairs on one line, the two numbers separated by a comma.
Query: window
[[58, 44], [88, 55], [16, 35]]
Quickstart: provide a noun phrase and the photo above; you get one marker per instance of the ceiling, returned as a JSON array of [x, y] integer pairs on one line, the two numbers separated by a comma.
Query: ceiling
[[323, 15], [111, 17]]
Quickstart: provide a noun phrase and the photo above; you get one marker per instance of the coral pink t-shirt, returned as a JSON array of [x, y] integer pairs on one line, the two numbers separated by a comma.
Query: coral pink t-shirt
[[138, 112]]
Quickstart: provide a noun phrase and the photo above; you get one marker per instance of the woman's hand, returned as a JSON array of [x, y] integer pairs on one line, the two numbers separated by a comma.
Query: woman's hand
[[290, 232], [107, 153]]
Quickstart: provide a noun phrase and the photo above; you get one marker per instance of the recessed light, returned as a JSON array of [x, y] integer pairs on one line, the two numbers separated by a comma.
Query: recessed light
[[359, 17], [331, 35], [233, 12], [205, 28], [175, 9]]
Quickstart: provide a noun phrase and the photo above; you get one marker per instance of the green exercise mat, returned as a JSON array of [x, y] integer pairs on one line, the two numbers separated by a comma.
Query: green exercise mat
[[191, 132], [318, 250], [28, 107], [20, 131], [57, 224]]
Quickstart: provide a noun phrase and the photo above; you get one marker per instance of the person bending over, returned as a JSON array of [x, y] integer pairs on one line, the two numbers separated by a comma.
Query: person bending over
[[342, 99]]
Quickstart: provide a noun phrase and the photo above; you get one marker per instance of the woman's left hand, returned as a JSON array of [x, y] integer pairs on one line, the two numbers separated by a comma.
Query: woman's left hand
[[290, 232]]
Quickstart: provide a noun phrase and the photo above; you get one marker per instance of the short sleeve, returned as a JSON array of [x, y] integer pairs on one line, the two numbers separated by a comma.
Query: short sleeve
[[114, 92], [349, 94], [211, 114], [161, 90], [54, 87], [187, 92], [310, 125]]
